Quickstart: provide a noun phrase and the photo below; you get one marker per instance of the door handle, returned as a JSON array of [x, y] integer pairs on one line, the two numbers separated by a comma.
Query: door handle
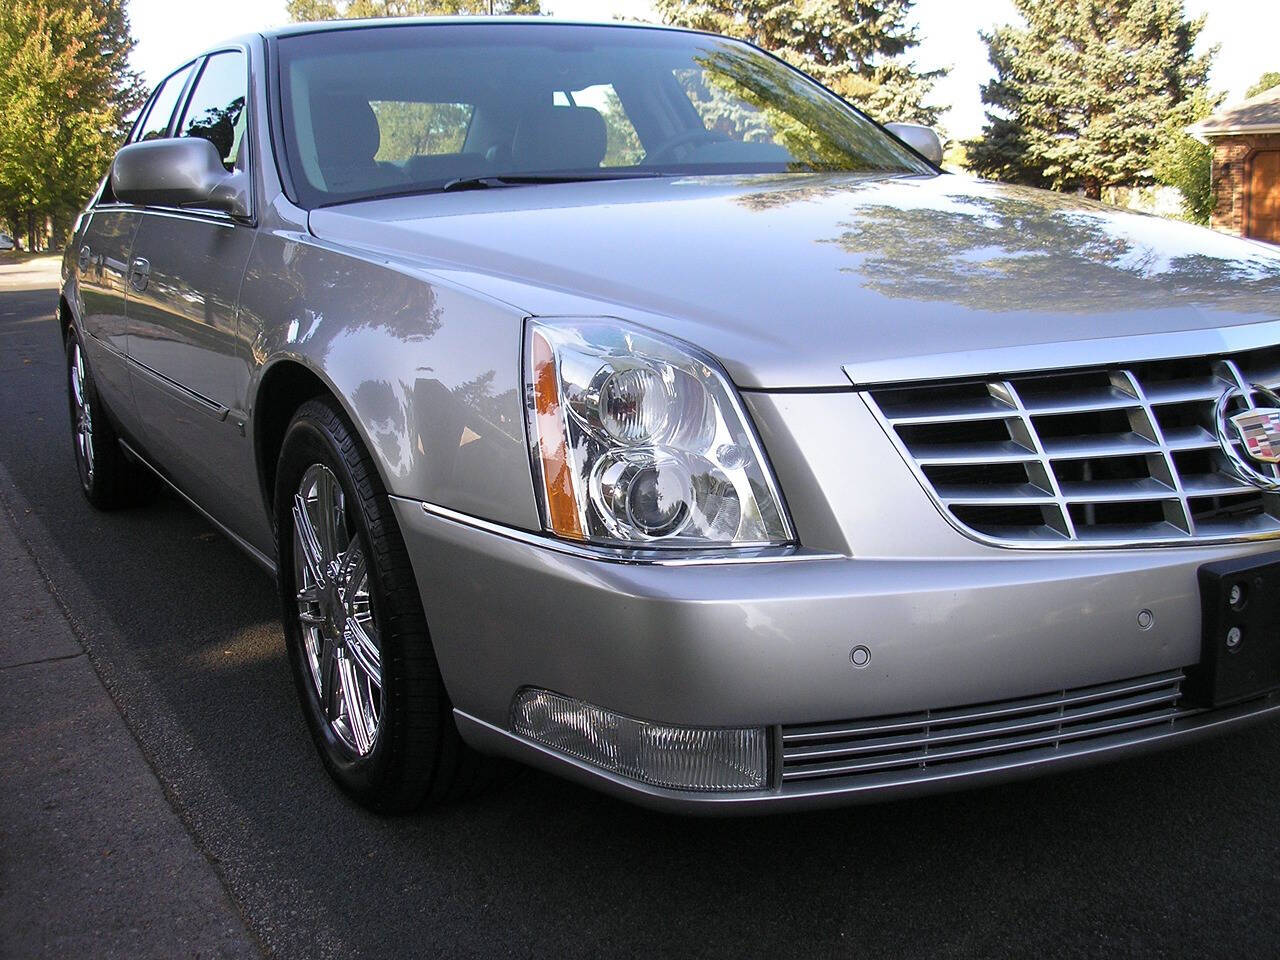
[[139, 274], [85, 255]]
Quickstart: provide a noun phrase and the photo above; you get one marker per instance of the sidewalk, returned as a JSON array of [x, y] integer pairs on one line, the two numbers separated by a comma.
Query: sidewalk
[[31, 272], [93, 860]]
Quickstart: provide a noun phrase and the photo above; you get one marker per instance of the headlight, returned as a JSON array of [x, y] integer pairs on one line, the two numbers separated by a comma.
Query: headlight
[[638, 440]]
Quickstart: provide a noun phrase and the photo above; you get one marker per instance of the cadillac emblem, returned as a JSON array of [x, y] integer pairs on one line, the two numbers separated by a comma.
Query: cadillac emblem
[[1259, 429], [1249, 434]]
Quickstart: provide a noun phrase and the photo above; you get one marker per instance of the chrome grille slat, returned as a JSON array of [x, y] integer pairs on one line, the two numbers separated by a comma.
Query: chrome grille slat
[[1117, 491], [1104, 445], [1032, 721], [962, 453], [981, 713], [950, 736], [1162, 394], [1090, 457]]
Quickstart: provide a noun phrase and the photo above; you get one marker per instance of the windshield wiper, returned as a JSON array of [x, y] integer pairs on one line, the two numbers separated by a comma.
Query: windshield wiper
[[520, 180]]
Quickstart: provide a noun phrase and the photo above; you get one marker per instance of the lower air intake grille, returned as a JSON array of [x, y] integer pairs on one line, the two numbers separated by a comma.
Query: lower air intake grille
[[1102, 457], [968, 734]]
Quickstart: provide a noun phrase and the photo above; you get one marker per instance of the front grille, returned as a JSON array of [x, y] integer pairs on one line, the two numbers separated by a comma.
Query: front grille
[[970, 735], [1098, 457]]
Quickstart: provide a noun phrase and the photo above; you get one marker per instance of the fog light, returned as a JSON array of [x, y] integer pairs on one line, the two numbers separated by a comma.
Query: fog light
[[681, 758]]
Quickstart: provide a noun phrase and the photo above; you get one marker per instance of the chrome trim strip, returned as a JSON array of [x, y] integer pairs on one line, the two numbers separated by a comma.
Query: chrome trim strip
[[645, 557], [1063, 355], [110, 348], [195, 400], [254, 553]]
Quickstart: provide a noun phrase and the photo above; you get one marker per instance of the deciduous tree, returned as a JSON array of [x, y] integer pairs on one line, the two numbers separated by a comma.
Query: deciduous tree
[[858, 48], [65, 89], [1083, 89], [1265, 82], [1182, 161]]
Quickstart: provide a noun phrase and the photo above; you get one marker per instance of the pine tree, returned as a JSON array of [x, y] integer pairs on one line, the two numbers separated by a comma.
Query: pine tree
[[1082, 91], [301, 10], [857, 48], [65, 89]]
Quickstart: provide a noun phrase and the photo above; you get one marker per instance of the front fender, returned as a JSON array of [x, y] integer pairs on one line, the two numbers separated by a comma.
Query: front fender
[[429, 373]]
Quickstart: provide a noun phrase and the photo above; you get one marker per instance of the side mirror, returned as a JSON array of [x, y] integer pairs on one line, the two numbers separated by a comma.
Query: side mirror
[[180, 172], [919, 138]]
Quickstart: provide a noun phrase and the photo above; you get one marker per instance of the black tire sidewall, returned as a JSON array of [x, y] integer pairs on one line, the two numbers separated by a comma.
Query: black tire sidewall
[[91, 402]]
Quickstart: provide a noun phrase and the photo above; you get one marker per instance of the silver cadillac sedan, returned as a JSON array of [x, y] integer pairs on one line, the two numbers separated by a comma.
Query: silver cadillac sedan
[[618, 400]]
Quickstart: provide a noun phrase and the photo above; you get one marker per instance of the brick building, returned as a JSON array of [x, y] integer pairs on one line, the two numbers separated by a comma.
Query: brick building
[[1246, 166]]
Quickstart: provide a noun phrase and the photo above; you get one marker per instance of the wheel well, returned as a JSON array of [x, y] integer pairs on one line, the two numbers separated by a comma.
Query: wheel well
[[64, 317], [285, 387]]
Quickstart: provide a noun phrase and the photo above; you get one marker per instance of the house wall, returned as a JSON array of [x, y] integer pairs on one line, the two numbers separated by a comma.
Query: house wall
[[1231, 176]]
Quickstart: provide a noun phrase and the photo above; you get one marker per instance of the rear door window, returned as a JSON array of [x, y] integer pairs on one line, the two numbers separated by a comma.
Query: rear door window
[[156, 123]]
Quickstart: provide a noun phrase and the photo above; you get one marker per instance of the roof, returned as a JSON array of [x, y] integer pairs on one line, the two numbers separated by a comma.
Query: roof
[[326, 26], [1259, 114]]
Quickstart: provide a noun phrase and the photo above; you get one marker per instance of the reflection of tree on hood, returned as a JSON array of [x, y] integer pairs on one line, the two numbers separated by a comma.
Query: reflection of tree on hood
[[991, 247]]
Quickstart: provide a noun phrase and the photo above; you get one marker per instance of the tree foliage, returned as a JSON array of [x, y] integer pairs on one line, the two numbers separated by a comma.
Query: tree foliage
[[65, 89], [1083, 90], [301, 10], [1182, 161], [1265, 82], [857, 48]]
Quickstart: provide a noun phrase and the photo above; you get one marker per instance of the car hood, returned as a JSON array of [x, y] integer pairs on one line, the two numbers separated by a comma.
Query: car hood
[[793, 279]]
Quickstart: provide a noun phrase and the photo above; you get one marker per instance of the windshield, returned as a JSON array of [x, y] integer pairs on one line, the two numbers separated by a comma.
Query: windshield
[[399, 109]]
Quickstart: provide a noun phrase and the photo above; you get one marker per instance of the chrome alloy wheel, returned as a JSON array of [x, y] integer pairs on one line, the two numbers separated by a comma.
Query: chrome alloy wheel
[[81, 414], [338, 630]]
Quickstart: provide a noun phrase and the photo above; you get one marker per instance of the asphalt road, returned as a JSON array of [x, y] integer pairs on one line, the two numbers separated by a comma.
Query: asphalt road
[[1174, 855]]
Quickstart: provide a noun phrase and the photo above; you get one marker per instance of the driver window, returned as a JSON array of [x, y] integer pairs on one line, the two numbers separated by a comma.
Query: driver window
[[216, 111]]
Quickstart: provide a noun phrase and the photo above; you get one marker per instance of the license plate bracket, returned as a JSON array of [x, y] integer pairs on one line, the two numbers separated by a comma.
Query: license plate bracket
[[1240, 631]]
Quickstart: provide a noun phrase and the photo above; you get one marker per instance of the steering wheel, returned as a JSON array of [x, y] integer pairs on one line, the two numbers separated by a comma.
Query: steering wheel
[[679, 140]]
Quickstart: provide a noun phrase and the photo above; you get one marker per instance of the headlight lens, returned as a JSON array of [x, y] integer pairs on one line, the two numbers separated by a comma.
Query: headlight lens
[[641, 441]]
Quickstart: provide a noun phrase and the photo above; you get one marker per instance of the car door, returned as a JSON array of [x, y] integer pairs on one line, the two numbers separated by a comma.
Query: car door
[[189, 362], [102, 263]]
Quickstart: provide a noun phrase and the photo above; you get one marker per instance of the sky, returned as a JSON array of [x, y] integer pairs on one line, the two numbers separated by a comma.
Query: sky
[[1245, 31]]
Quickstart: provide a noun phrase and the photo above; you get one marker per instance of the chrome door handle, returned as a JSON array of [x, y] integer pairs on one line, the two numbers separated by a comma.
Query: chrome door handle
[[85, 255], [139, 274]]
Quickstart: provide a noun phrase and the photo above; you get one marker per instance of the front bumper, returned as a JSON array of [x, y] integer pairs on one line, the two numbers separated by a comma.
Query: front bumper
[[769, 644]]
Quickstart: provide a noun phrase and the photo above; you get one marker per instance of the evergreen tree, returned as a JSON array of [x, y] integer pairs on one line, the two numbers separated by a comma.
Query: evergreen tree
[[1082, 91], [356, 9], [856, 47], [65, 89]]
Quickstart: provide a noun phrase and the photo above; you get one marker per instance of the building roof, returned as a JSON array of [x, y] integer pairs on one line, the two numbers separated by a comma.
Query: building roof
[[1259, 114]]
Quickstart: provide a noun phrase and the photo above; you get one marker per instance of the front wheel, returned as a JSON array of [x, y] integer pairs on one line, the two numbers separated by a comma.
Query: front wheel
[[362, 659]]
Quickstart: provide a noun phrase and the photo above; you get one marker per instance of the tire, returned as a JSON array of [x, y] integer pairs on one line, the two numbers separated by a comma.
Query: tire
[[109, 477], [399, 747]]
